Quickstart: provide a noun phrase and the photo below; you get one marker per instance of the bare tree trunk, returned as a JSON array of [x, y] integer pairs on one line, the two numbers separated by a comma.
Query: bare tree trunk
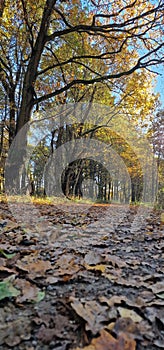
[[28, 95], [15, 166], [12, 115]]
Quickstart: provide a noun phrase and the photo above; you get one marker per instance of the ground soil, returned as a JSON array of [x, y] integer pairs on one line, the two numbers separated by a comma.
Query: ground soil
[[78, 274]]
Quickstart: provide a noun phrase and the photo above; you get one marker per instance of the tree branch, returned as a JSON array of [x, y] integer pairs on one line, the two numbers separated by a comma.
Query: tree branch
[[88, 82]]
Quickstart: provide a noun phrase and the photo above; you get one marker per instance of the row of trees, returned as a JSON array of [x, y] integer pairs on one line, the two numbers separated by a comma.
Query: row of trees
[[93, 169], [58, 52]]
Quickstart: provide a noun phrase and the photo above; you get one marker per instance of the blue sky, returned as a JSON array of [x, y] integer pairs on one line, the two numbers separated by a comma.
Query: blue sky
[[160, 87]]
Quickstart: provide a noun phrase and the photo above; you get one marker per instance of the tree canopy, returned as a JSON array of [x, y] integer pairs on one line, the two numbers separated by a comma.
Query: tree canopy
[[55, 52], [51, 48]]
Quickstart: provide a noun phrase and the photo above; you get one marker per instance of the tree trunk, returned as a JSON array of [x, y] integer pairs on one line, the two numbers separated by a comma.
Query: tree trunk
[[15, 164], [16, 161], [28, 95], [133, 194], [12, 115]]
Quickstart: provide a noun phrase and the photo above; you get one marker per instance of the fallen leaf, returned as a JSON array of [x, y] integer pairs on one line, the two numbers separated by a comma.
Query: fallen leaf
[[46, 334], [160, 295], [159, 344], [115, 299], [36, 267], [107, 342], [52, 280], [157, 287], [92, 258], [155, 315], [129, 313], [7, 289], [128, 326], [7, 270], [99, 267], [29, 292], [8, 256], [92, 312], [116, 261], [66, 265]]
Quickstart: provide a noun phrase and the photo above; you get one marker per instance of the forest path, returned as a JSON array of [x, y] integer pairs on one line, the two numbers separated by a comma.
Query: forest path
[[92, 278]]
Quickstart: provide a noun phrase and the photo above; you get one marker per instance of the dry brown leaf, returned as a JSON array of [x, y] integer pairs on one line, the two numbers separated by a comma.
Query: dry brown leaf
[[36, 267], [92, 312], [46, 334], [116, 261], [92, 258], [99, 267], [130, 314], [28, 291], [128, 326], [52, 280], [66, 265], [157, 287], [115, 299], [118, 299], [107, 342], [8, 271]]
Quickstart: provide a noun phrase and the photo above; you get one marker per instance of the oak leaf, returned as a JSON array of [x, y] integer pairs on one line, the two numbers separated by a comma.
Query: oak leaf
[[107, 342]]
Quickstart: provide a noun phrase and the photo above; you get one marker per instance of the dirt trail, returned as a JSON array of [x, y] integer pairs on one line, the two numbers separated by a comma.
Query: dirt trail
[[93, 275]]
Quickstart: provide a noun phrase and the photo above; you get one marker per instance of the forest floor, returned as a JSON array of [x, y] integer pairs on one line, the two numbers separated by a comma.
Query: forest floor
[[84, 277]]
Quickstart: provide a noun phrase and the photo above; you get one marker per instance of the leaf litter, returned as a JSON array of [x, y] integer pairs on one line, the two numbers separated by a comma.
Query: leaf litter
[[93, 285]]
